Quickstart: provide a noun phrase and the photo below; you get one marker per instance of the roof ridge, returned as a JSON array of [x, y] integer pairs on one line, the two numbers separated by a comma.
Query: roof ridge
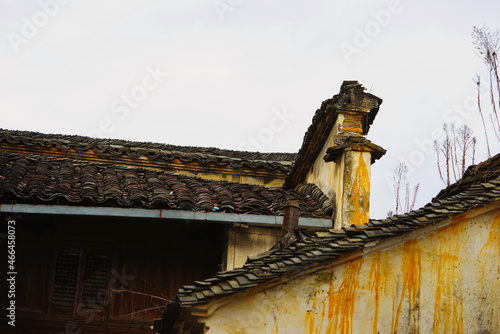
[[85, 141]]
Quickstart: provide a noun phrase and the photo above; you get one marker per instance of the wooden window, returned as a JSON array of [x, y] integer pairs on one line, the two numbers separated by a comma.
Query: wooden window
[[94, 280], [80, 280], [66, 277]]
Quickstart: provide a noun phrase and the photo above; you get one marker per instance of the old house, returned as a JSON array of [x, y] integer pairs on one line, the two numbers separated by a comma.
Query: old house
[[432, 270], [106, 231]]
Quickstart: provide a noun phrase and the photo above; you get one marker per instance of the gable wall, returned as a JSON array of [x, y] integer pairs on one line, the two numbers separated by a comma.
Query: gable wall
[[327, 175], [443, 281], [242, 242]]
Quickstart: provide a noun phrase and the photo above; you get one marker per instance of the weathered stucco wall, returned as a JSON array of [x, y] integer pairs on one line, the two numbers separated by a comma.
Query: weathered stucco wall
[[268, 180], [356, 189], [327, 175], [346, 182], [251, 240], [444, 280]]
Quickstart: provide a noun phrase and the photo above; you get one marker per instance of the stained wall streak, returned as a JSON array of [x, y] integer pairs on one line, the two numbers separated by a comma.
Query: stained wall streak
[[448, 303], [410, 295], [490, 278], [360, 191], [377, 282], [341, 303]]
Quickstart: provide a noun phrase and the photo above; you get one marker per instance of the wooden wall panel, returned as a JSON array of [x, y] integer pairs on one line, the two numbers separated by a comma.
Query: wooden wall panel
[[160, 255]]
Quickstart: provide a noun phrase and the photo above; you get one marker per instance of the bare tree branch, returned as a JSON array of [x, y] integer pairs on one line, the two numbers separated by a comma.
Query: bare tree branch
[[415, 193], [437, 149], [407, 203], [144, 310], [455, 150], [487, 46], [399, 181], [478, 83], [141, 293], [464, 141], [474, 142]]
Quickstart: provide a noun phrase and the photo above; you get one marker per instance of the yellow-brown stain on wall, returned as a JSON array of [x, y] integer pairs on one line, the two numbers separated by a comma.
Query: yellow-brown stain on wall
[[494, 238], [448, 303], [411, 269], [378, 281], [310, 318], [360, 192], [275, 326], [341, 302], [489, 251], [331, 291], [352, 123]]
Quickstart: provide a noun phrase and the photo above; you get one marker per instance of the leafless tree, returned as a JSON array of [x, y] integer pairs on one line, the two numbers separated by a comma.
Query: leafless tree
[[487, 46], [457, 149], [444, 148], [474, 143], [465, 141], [399, 178], [410, 200], [478, 83], [407, 203]]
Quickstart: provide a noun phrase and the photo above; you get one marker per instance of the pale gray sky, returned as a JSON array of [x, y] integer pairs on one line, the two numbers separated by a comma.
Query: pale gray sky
[[244, 74]]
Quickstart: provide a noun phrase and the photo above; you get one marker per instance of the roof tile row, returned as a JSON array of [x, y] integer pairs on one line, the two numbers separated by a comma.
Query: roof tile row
[[151, 151], [30, 178]]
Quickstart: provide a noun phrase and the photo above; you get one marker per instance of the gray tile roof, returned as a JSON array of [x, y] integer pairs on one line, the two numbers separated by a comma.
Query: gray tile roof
[[480, 186], [28, 178]]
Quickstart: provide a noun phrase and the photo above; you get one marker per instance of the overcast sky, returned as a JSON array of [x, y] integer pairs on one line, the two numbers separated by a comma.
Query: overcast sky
[[245, 74]]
